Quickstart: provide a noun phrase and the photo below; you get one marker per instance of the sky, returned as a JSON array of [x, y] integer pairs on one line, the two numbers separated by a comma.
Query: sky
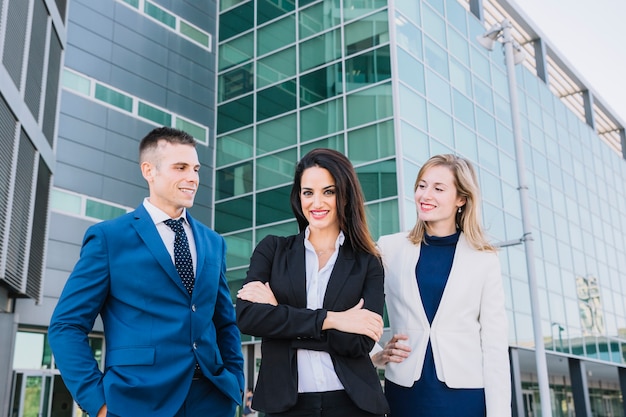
[[591, 36]]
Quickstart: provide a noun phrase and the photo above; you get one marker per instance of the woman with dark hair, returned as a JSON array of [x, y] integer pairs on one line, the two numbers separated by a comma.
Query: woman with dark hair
[[316, 299]]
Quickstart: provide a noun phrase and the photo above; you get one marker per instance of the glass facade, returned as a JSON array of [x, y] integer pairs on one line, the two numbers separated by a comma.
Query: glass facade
[[391, 83]]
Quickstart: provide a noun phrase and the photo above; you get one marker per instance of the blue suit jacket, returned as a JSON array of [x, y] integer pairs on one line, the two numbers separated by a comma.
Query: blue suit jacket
[[155, 332]]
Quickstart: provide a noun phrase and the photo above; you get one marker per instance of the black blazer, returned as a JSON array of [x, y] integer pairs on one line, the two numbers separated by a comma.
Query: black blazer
[[291, 326]]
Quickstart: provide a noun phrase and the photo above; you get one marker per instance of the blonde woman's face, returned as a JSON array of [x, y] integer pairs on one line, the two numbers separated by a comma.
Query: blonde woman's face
[[437, 201]]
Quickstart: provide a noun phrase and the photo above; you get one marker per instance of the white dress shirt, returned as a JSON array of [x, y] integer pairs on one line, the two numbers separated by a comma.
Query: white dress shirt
[[167, 234], [316, 372]]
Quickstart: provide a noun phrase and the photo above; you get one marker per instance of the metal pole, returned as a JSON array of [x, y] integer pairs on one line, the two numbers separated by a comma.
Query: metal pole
[[540, 352]]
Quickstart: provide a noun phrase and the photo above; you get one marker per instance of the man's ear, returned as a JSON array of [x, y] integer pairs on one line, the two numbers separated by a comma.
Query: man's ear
[[147, 170]]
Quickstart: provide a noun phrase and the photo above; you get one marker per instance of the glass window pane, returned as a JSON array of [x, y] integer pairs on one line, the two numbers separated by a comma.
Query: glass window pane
[[235, 82], [234, 114], [411, 71], [353, 9], [236, 51], [114, 98], [457, 15], [436, 57], [276, 100], [65, 202], [434, 25], [273, 206], [319, 17], [271, 9], [236, 21], [369, 105], [276, 169], [102, 211], [367, 33], [410, 9], [76, 82], [483, 94], [198, 132], [276, 67], [371, 142], [332, 142], [438, 91], [414, 144], [409, 36], [368, 68], [465, 141], [159, 14], [458, 46], [194, 34], [152, 113], [225, 4], [134, 3], [282, 229], [234, 147], [276, 35], [233, 180], [440, 125], [463, 108], [233, 215], [383, 218], [320, 50], [321, 120], [378, 180], [460, 77], [238, 249], [485, 124], [277, 134], [320, 84], [413, 108]]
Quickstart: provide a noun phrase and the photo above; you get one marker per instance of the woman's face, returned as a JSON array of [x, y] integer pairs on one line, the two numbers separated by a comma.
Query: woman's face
[[437, 201], [318, 199]]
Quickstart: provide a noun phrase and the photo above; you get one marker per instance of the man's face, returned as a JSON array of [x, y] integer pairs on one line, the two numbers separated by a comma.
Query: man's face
[[172, 174]]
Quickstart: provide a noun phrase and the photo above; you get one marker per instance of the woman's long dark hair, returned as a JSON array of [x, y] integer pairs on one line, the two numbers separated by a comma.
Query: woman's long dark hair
[[350, 200]]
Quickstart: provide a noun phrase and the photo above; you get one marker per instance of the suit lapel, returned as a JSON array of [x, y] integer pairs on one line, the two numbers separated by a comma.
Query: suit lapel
[[296, 271], [411, 290], [148, 233], [341, 270]]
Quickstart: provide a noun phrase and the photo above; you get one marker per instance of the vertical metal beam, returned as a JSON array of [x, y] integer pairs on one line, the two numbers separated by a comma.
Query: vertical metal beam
[[580, 390], [622, 136], [541, 63], [589, 115], [621, 372], [540, 351], [476, 8], [516, 383]]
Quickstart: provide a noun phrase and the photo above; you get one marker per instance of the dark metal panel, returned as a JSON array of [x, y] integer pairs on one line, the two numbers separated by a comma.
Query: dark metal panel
[[580, 390]]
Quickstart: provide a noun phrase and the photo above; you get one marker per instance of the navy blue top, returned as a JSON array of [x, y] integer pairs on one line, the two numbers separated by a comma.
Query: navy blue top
[[429, 397]]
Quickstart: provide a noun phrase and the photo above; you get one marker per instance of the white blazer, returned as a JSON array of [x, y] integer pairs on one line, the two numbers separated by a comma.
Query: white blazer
[[469, 333]]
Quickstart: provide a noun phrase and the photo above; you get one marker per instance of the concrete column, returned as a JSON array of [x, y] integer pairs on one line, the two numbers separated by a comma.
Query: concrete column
[[8, 332], [580, 390], [517, 396], [622, 384]]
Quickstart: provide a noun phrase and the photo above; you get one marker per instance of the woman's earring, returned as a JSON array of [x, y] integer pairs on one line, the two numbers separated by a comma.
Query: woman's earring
[[460, 209]]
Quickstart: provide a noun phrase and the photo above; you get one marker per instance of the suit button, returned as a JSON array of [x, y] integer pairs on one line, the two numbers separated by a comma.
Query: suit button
[[195, 345], [193, 308]]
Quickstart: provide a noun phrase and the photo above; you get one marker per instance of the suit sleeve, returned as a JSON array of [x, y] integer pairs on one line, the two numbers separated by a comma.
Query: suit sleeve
[[278, 322], [494, 341], [80, 303], [228, 336]]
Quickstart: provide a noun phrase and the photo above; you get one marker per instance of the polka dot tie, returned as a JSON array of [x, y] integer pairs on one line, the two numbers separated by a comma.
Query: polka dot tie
[[182, 254]]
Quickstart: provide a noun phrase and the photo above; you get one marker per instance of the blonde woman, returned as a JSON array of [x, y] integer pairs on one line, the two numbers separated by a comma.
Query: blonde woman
[[449, 353]]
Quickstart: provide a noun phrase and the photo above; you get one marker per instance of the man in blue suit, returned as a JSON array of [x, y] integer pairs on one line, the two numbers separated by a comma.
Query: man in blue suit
[[172, 344]]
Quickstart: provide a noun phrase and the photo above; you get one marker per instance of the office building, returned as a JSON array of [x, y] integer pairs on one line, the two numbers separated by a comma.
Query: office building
[[387, 82]]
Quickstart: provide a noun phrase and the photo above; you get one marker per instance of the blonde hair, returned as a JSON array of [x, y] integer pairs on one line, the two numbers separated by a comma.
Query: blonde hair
[[466, 183]]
